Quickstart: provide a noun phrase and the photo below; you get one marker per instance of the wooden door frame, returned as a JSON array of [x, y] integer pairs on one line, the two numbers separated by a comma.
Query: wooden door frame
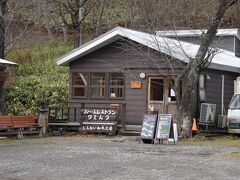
[[165, 101], [149, 101], [149, 88]]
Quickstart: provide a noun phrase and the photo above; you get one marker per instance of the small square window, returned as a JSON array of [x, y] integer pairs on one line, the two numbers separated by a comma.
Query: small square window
[[171, 92], [97, 92], [116, 92], [98, 82], [116, 85], [79, 91], [79, 84]]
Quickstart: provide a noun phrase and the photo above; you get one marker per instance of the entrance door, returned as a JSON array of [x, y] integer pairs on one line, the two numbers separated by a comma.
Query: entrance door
[[161, 97]]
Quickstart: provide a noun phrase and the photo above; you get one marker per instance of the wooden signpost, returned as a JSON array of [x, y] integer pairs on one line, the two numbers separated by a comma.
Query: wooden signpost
[[164, 125], [148, 128], [99, 120]]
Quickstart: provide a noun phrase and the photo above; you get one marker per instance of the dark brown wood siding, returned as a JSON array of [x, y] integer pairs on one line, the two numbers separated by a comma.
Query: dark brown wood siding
[[214, 88], [136, 99]]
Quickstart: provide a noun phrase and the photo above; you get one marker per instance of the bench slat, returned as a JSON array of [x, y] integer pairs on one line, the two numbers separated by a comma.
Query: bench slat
[[13, 125], [6, 121], [24, 121]]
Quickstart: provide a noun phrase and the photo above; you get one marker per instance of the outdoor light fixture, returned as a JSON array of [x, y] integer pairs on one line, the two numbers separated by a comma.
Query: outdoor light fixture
[[142, 75]]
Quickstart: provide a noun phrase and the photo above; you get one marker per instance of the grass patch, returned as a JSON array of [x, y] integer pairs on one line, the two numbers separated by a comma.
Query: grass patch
[[54, 139], [233, 155], [231, 141], [25, 141]]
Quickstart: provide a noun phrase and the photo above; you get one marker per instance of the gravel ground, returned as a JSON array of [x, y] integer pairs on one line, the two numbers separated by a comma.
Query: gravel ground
[[114, 158]]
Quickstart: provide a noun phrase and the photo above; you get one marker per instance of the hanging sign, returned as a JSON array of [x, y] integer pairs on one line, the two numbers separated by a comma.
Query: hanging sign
[[136, 84], [164, 124]]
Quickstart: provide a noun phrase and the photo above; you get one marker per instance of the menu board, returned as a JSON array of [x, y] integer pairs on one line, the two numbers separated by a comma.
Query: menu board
[[148, 126], [163, 126]]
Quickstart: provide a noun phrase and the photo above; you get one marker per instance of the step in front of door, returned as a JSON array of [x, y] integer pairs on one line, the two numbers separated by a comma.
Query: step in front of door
[[131, 130]]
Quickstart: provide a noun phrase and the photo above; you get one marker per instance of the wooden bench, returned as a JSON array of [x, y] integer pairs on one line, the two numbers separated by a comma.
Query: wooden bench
[[5, 122], [26, 125], [5, 125], [19, 125]]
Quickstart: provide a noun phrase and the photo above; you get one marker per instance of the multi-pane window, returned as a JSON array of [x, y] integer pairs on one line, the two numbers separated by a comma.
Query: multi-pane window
[[100, 85], [116, 85], [98, 82], [79, 84]]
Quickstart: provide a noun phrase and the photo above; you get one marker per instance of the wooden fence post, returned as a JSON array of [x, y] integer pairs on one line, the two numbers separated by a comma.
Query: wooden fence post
[[43, 118]]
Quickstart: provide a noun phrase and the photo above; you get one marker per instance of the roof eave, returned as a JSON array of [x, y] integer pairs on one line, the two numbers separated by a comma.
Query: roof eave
[[4, 61], [224, 68], [195, 33]]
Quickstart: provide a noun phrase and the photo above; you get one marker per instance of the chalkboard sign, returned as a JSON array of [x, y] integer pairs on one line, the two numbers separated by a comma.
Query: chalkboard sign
[[163, 126], [148, 126]]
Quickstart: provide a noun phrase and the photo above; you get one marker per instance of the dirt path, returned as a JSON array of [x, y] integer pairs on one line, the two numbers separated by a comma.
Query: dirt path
[[114, 158]]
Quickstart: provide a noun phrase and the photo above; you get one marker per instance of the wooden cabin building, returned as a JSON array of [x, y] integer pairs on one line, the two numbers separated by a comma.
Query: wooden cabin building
[[123, 68]]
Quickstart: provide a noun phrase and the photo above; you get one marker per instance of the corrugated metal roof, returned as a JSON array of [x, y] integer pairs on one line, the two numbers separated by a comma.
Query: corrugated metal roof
[[195, 32], [3, 61], [223, 60]]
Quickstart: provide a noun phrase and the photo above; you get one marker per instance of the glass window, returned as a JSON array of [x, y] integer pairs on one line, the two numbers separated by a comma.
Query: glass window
[[116, 92], [80, 79], [79, 84], [97, 85], [235, 102], [98, 81], [156, 88], [116, 85], [79, 91], [116, 79], [171, 92]]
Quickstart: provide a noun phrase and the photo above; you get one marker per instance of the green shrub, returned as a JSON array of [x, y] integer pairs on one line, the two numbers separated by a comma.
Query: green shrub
[[37, 79]]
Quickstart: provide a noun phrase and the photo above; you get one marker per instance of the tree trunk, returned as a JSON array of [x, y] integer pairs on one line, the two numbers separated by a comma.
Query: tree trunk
[[78, 35], [77, 28], [65, 34], [3, 10], [100, 17], [188, 103], [46, 12]]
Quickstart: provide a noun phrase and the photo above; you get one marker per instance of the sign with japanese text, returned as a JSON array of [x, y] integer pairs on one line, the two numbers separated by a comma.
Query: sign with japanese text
[[99, 120], [97, 128], [90, 114]]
